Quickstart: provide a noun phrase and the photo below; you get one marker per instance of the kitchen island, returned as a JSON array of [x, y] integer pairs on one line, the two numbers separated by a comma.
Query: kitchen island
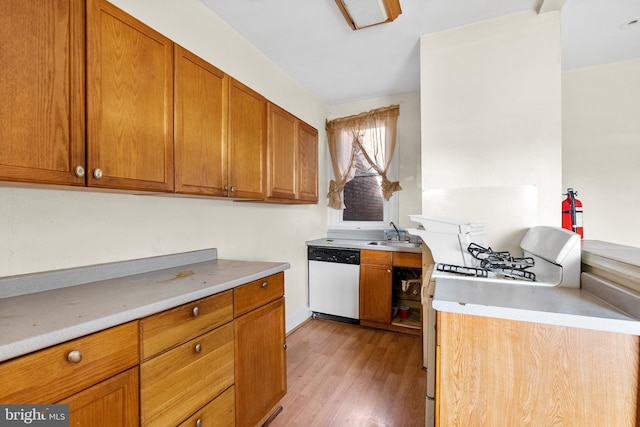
[[512, 354]]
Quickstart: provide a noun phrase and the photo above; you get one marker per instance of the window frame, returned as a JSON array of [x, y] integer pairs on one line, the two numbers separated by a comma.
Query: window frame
[[390, 207]]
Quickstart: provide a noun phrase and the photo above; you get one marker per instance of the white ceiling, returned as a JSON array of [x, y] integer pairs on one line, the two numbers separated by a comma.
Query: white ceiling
[[311, 41]]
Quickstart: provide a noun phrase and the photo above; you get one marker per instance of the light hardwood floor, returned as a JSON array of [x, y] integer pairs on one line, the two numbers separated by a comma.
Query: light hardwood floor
[[346, 375]]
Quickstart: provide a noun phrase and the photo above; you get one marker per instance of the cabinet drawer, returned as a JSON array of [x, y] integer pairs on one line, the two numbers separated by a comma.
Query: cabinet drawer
[[164, 330], [407, 259], [220, 412], [257, 293], [176, 383], [376, 257], [47, 376]]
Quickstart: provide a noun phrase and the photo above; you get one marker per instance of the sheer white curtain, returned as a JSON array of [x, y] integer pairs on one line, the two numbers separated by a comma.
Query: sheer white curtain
[[346, 142]]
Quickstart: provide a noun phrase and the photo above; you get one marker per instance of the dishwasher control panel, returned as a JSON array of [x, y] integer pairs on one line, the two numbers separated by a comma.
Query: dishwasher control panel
[[342, 256]]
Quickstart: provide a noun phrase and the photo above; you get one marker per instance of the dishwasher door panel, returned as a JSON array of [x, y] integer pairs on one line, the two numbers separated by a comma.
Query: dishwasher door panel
[[334, 289]]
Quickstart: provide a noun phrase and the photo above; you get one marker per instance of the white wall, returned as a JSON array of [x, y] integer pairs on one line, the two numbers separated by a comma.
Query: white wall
[[491, 131], [601, 148], [53, 229], [407, 146]]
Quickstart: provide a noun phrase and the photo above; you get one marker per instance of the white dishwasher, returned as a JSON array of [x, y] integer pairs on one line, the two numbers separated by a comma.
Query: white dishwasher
[[334, 283]]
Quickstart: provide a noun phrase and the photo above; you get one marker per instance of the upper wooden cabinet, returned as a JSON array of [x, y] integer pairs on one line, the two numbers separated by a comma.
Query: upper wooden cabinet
[[201, 111], [42, 91], [281, 154], [307, 163], [129, 106], [246, 137], [89, 100], [220, 132], [292, 157]]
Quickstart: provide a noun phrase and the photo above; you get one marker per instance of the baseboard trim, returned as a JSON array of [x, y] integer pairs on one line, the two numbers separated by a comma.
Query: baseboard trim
[[297, 318]]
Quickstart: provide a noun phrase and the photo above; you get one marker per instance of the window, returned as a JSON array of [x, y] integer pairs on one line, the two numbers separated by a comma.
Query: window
[[363, 198], [364, 205], [362, 155]]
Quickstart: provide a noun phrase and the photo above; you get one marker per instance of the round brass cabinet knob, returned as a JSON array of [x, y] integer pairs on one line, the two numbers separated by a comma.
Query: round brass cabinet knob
[[74, 356]]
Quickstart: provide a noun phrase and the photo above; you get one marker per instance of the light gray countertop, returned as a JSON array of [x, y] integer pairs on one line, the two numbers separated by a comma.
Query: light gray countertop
[[594, 250], [40, 319], [589, 307], [327, 242]]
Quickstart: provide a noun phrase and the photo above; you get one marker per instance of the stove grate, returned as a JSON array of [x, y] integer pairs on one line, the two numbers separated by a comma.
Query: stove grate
[[459, 269], [500, 263]]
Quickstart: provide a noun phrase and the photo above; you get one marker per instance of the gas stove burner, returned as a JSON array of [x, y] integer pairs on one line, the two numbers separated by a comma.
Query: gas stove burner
[[481, 253], [514, 263], [490, 257], [502, 263]]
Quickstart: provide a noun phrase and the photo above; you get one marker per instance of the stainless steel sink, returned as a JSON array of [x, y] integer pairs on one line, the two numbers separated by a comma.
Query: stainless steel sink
[[394, 244]]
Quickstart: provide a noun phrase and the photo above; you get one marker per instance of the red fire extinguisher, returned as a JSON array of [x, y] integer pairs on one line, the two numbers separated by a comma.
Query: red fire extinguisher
[[572, 213]]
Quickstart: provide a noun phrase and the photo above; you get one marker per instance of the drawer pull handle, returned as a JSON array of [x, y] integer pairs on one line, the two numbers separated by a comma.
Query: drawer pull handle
[[265, 284], [198, 348], [74, 356], [195, 311], [199, 422]]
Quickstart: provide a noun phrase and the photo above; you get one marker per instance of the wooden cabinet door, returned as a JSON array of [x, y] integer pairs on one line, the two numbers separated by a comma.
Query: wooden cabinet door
[[261, 371], [513, 373], [281, 153], [113, 402], [129, 102], [246, 136], [375, 293], [292, 157], [200, 92], [42, 91], [307, 163]]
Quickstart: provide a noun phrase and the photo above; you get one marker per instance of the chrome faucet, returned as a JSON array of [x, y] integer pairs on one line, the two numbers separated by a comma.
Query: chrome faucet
[[395, 228]]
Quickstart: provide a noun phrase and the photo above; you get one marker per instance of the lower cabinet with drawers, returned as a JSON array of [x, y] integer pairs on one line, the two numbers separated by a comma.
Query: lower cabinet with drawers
[[217, 361], [97, 375], [187, 361]]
